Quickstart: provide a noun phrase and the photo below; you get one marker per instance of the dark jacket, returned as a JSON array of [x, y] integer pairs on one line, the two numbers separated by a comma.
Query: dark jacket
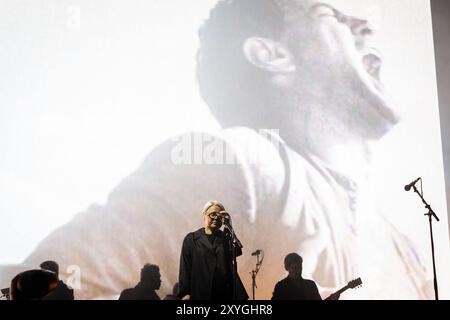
[[296, 289], [61, 292], [139, 292], [198, 262]]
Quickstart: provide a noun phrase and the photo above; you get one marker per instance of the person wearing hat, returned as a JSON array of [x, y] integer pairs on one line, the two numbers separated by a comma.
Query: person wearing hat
[[33, 285], [206, 262]]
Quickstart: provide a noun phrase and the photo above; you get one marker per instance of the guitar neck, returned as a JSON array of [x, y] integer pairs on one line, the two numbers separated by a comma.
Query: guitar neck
[[340, 291], [351, 285]]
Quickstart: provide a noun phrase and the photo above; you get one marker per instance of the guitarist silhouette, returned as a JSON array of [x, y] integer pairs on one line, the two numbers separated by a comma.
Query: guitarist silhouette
[[294, 287]]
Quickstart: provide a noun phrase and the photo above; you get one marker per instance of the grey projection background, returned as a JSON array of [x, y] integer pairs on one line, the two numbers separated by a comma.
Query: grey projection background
[[88, 88]]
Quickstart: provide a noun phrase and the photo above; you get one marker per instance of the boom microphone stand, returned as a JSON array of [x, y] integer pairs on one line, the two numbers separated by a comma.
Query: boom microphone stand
[[430, 214], [255, 272], [235, 245]]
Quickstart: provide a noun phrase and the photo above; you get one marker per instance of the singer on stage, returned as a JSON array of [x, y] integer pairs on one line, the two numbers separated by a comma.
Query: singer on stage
[[206, 262]]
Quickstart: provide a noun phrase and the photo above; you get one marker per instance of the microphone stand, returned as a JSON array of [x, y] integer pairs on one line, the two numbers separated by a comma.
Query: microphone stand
[[5, 293], [430, 214], [255, 272], [235, 245]]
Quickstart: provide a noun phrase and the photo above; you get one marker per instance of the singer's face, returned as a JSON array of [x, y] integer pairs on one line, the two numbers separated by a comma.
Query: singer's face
[[213, 218]]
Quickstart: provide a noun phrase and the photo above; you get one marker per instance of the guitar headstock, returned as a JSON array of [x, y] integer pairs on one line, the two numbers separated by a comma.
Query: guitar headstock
[[351, 285], [355, 283]]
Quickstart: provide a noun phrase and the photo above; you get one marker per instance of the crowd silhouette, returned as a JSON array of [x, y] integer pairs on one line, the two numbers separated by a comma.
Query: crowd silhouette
[[44, 284]]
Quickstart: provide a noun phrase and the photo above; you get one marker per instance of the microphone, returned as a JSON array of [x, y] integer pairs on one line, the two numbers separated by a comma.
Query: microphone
[[256, 252], [409, 186], [226, 219]]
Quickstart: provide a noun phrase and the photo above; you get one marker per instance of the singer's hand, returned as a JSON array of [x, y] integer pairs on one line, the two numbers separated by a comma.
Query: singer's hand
[[226, 219], [225, 214]]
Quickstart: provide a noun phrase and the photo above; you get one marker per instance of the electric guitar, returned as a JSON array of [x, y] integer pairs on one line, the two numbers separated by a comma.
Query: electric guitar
[[351, 285]]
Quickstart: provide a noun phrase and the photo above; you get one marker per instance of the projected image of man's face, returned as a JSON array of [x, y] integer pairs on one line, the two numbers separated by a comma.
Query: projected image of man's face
[[338, 66]]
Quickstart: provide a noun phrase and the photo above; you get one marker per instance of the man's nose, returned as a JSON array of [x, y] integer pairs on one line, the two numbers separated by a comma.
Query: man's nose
[[361, 30], [360, 27]]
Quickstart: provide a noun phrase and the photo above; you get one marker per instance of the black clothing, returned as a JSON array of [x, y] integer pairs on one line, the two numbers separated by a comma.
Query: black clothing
[[220, 290], [296, 289], [206, 268], [139, 293], [211, 237], [61, 292]]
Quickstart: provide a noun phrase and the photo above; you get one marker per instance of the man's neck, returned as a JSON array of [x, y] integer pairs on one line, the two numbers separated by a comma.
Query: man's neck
[[295, 277], [147, 286], [310, 127], [349, 158]]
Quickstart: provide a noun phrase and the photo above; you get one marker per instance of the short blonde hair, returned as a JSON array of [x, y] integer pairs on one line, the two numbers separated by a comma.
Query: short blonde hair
[[212, 203]]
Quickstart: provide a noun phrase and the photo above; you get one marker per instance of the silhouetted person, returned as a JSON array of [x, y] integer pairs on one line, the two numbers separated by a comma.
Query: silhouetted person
[[174, 294], [294, 287], [206, 268], [62, 291], [145, 289], [33, 285]]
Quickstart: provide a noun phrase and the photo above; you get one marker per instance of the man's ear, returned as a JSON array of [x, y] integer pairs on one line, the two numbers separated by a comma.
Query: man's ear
[[269, 55]]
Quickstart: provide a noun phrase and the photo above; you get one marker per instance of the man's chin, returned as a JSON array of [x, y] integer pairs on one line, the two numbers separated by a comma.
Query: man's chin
[[383, 110], [380, 126]]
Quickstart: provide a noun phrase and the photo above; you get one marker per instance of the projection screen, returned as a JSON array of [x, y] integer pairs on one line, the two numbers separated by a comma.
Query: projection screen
[[306, 119]]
